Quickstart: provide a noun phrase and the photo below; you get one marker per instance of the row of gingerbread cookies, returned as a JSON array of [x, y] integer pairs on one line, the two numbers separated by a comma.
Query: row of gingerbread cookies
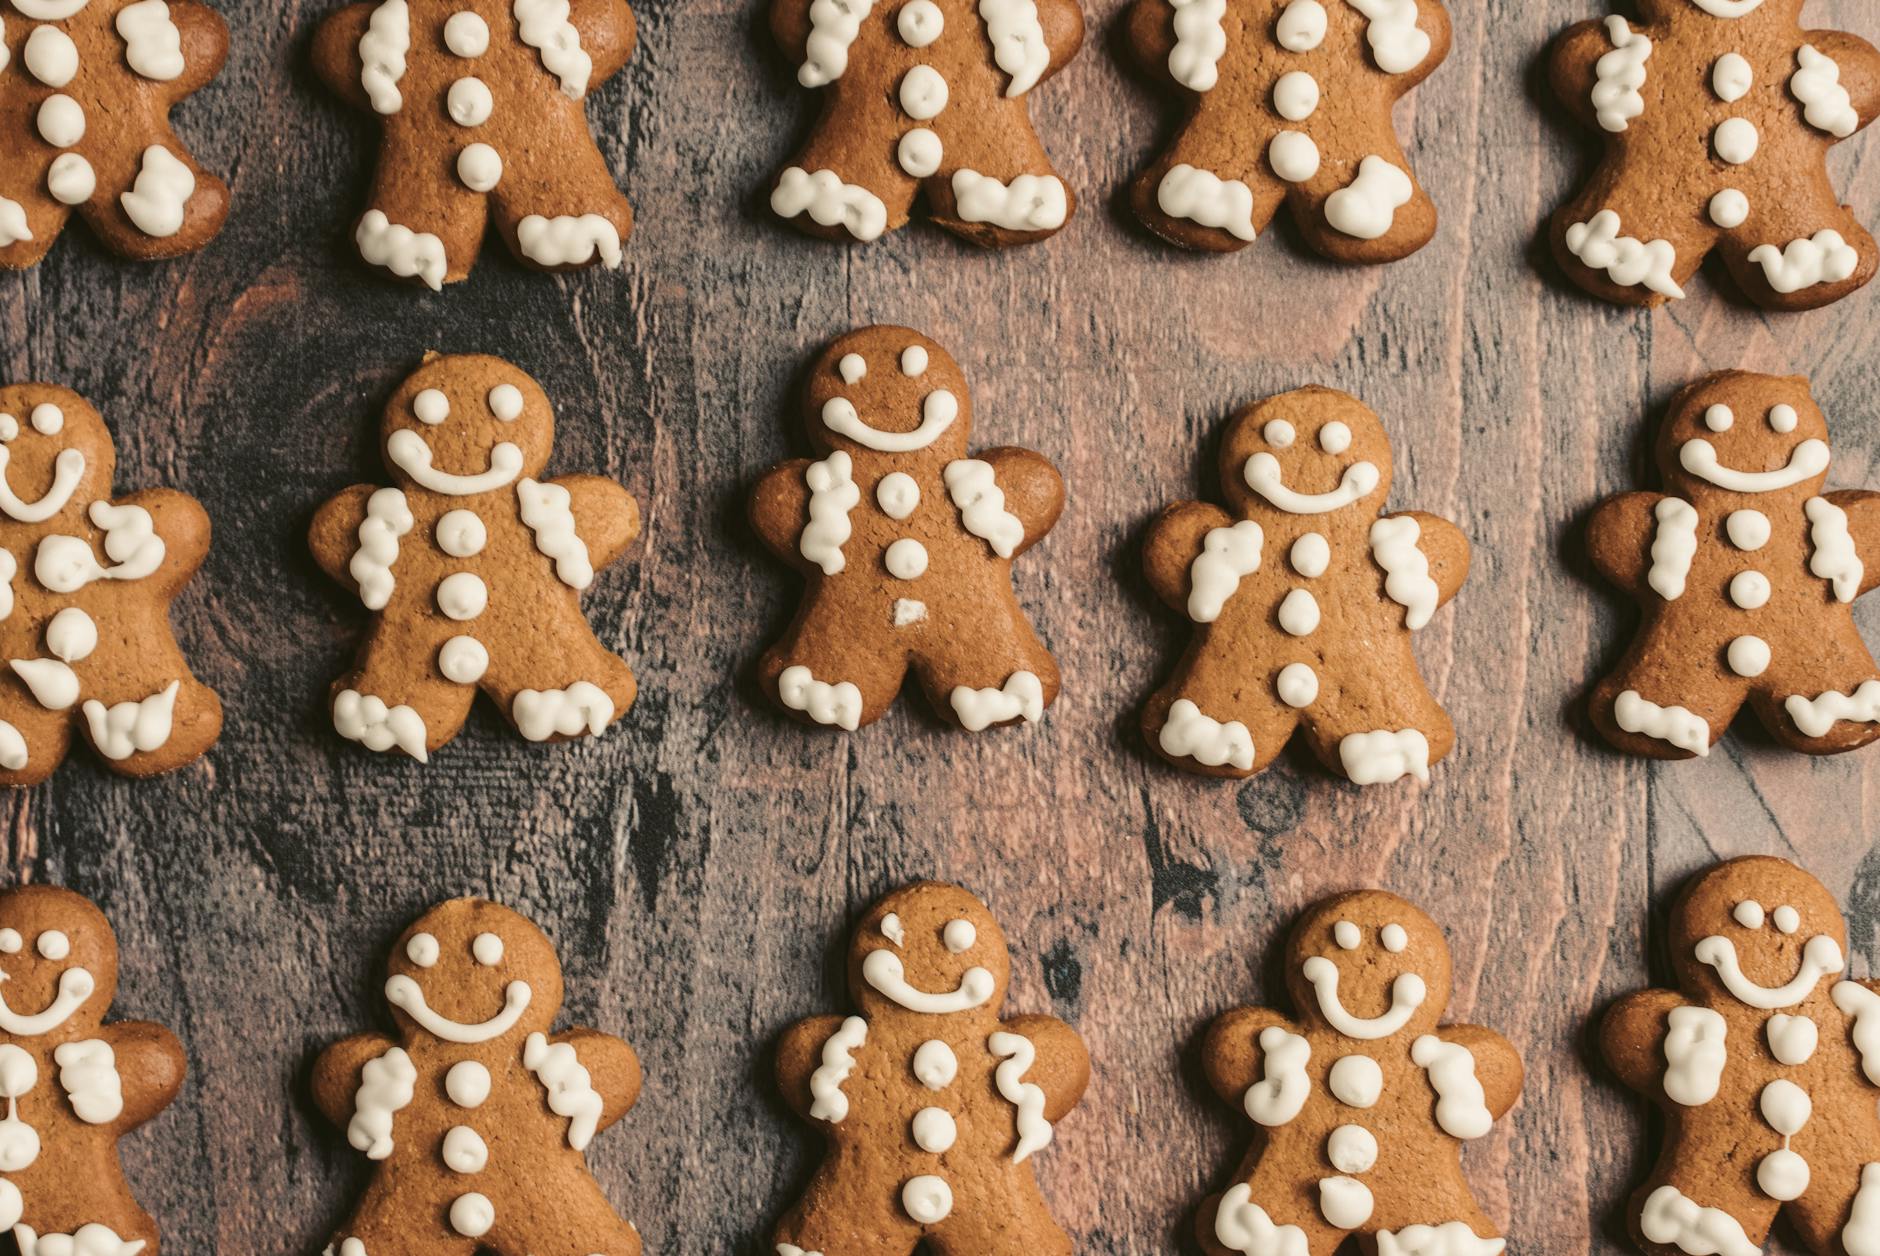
[[1717, 113], [1303, 598], [932, 1105]]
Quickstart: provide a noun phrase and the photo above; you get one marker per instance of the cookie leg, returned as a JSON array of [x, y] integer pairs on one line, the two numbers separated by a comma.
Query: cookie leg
[[1214, 721], [1664, 711], [1016, 1224], [836, 1218], [382, 1226], [421, 223], [144, 729], [995, 189], [838, 191], [978, 683], [1681, 1211], [1271, 1212], [566, 1217], [566, 214], [398, 697], [1440, 1214], [1365, 207], [574, 687], [1387, 730], [835, 668], [1799, 249], [1621, 241], [1816, 718], [30, 219], [149, 202], [1842, 1203], [33, 740], [1204, 194]]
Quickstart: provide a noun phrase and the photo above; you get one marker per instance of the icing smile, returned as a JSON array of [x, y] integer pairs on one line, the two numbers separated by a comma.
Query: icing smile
[[1729, 8], [410, 454], [50, 10], [406, 995], [67, 470], [883, 971], [1406, 996], [1820, 958], [75, 986], [937, 415], [1264, 477], [1699, 457]]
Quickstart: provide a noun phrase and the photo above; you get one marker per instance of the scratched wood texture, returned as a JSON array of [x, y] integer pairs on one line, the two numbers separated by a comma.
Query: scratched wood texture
[[700, 866]]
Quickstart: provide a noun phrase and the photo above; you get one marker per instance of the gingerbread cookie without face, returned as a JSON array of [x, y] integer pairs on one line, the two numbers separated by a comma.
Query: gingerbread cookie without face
[[482, 106], [1717, 117], [477, 1114], [86, 583], [1363, 1103], [1289, 102], [925, 98], [1746, 570], [474, 568], [1766, 1064], [73, 1085], [1304, 600], [931, 1105], [907, 542], [87, 87]]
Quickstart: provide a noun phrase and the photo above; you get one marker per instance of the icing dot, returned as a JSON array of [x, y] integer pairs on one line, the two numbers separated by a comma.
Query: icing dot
[[927, 1199], [480, 167], [1296, 96], [1310, 555], [467, 35], [934, 1130], [1748, 914], [892, 929], [935, 1065], [1279, 434], [11, 942], [1749, 590], [1294, 156], [1299, 613], [914, 361], [1334, 438], [923, 93], [906, 559], [48, 419], [463, 660], [52, 944], [469, 102], [1729, 209], [1356, 1081], [1787, 919], [1346, 935], [1748, 656], [488, 949], [1783, 419], [920, 153], [462, 596], [422, 950], [1344, 1202], [1735, 140], [72, 635], [464, 1150], [1297, 685], [897, 494], [467, 1084], [959, 936], [1747, 529], [1731, 77], [461, 534], [1719, 418], [1352, 1149], [506, 402], [70, 179], [472, 1215], [1302, 26], [51, 56], [61, 121], [431, 407], [1782, 1174], [853, 368], [1394, 938], [920, 23]]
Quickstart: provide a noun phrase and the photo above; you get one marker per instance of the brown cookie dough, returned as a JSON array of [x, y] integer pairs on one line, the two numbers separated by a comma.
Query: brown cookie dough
[[925, 97], [1746, 570], [1363, 1103], [86, 583], [477, 1113], [1289, 102], [86, 89], [907, 542], [482, 107], [1766, 1064], [474, 568], [72, 1085], [931, 1105], [1305, 601], [1717, 117]]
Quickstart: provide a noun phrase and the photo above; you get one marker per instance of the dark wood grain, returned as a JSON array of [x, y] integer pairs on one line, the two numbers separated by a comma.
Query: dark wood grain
[[700, 865]]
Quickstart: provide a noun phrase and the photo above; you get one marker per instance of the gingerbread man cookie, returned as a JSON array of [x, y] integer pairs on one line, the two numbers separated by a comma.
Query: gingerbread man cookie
[[85, 589], [73, 1085], [925, 96], [482, 107], [477, 1114], [1766, 1064], [907, 543], [1289, 101], [1361, 1117], [932, 1106], [1717, 116], [1746, 570], [474, 568], [88, 86], [1305, 600]]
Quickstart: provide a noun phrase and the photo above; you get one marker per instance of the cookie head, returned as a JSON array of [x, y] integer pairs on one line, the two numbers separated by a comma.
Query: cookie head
[[931, 950], [55, 453], [467, 425], [58, 962], [1760, 932], [1750, 16], [1745, 434], [888, 393], [1308, 453], [1369, 966], [471, 972]]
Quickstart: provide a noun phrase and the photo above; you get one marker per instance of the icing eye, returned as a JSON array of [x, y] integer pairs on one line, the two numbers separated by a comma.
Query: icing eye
[[1334, 438], [422, 950], [1783, 419], [506, 402], [1787, 919], [1346, 935], [48, 420], [1394, 938], [467, 35], [913, 358], [1749, 915], [959, 936], [9, 427], [11, 942], [1719, 418], [891, 929], [854, 368], [431, 406], [488, 949], [53, 945], [1279, 434]]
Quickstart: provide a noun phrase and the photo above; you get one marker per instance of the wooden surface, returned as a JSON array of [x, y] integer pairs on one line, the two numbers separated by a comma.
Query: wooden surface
[[700, 865]]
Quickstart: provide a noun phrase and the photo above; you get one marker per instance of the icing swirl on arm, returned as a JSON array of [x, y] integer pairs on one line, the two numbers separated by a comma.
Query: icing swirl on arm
[[1017, 1054]]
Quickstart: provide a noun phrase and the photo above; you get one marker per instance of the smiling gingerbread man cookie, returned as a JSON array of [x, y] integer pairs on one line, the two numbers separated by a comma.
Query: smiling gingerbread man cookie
[[1305, 601], [907, 542], [1364, 1102], [478, 1115], [72, 1085], [932, 1106], [1747, 570], [1766, 1064]]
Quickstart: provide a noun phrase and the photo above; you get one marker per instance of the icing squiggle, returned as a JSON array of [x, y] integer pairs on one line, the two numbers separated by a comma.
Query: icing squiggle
[[974, 487], [1616, 98], [67, 469], [1674, 545], [1018, 43], [385, 1089], [833, 27], [1806, 460], [1189, 733], [1200, 43], [1816, 716], [570, 1089], [1825, 257], [1627, 261], [1228, 556], [1406, 569], [152, 44], [1018, 1054], [828, 1103], [408, 997], [388, 517], [547, 511], [1264, 476], [129, 728], [382, 52], [1817, 84], [544, 26], [833, 493], [1396, 44], [828, 200], [1281, 1093], [1835, 559]]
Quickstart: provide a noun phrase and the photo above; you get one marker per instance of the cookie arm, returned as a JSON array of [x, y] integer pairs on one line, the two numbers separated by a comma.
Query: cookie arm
[[1174, 542], [1034, 491], [336, 1074], [799, 1054], [334, 535], [1571, 68], [150, 1064], [780, 509], [1446, 548], [336, 53], [1151, 31], [1859, 63], [1863, 524], [613, 1069], [205, 45], [606, 517], [1063, 23], [1062, 1067], [607, 35], [1497, 1064], [182, 525], [789, 26], [1632, 1037], [1231, 1054], [1618, 539]]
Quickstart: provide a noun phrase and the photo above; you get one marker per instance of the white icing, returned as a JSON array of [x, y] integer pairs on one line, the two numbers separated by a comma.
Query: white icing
[[1621, 72], [1407, 570], [1352, 1149], [1018, 43], [893, 930], [1407, 993], [1310, 555], [1279, 433], [1806, 460], [61, 121], [472, 1215], [557, 1066], [51, 56], [544, 26], [1736, 140], [582, 707], [1731, 77], [1815, 716], [1821, 258], [934, 1065], [839, 704], [75, 986], [1017, 1054], [1368, 206], [1283, 1088], [399, 249], [897, 494], [938, 410], [1674, 544], [88, 1074], [1243, 1226], [130, 728], [1862, 1235], [460, 533], [423, 950], [53, 685], [1817, 84], [66, 564], [410, 454], [1344, 1202], [1782, 418], [1821, 957], [1385, 755], [833, 27], [1200, 43], [974, 487], [505, 402], [1461, 1107], [1394, 938], [1396, 44], [1451, 1238], [827, 1102], [1188, 733], [467, 1084], [1750, 590], [547, 510], [909, 611], [1792, 1039], [1030, 202], [1297, 685], [9, 568], [480, 167], [569, 240], [1347, 935], [91, 1239], [1294, 157], [1785, 1106], [67, 469], [1296, 96], [927, 1199], [13, 225], [388, 517], [462, 596], [1669, 1216], [1356, 1081], [1021, 697], [1627, 262], [467, 35], [959, 936], [1728, 8], [1335, 437], [1299, 613], [430, 407], [464, 1150], [408, 997], [853, 368], [382, 51], [826, 198], [832, 495], [923, 93], [920, 23], [72, 635], [385, 1089], [1301, 27], [934, 1130], [1729, 209], [1205, 198], [905, 559], [1263, 476], [1782, 1174], [367, 719], [1228, 555], [1748, 656], [1863, 1005], [914, 359], [152, 44], [19, 1141], [1719, 418], [469, 102], [1748, 530], [884, 973], [1835, 558]]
